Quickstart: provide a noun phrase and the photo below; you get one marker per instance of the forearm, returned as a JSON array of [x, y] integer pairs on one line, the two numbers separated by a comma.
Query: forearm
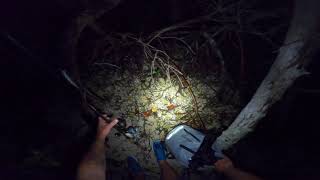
[[93, 165], [96, 154], [237, 174]]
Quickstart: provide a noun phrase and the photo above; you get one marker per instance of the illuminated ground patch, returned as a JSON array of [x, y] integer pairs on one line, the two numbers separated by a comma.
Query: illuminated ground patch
[[154, 97]]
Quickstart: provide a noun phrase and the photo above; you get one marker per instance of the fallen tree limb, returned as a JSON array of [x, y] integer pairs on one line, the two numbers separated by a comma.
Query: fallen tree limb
[[299, 45]]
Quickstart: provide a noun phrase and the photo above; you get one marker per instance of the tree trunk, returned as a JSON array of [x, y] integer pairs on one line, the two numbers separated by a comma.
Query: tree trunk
[[288, 66]]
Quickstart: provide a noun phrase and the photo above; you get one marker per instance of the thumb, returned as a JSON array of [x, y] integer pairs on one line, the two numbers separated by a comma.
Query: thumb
[[106, 130]]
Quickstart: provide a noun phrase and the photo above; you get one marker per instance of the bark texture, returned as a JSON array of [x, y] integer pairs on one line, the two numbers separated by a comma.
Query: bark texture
[[288, 66]]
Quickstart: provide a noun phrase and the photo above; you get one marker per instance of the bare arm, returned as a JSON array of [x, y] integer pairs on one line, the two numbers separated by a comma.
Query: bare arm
[[225, 166], [237, 174], [93, 165]]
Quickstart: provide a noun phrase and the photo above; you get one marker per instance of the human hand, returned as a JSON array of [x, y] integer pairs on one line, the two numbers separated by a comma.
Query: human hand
[[104, 128], [93, 164], [224, 164]]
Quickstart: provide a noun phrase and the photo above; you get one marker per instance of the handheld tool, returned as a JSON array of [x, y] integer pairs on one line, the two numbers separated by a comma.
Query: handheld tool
[[192, 148], [121, 126]]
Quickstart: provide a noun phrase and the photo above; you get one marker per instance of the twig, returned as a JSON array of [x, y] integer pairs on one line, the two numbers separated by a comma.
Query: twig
[[108, 64], [187, 23], [213, 44], [180, 40]]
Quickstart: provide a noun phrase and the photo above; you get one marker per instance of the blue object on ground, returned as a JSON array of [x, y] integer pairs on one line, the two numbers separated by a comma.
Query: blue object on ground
[[134, 166], [159, 150]]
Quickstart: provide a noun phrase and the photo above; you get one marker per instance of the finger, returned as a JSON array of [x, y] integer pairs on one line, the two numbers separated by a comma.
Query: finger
[[217, 162], [219, 155], [226, 158], [108, 128], [103, 119], [113, 123], [102, 122]]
